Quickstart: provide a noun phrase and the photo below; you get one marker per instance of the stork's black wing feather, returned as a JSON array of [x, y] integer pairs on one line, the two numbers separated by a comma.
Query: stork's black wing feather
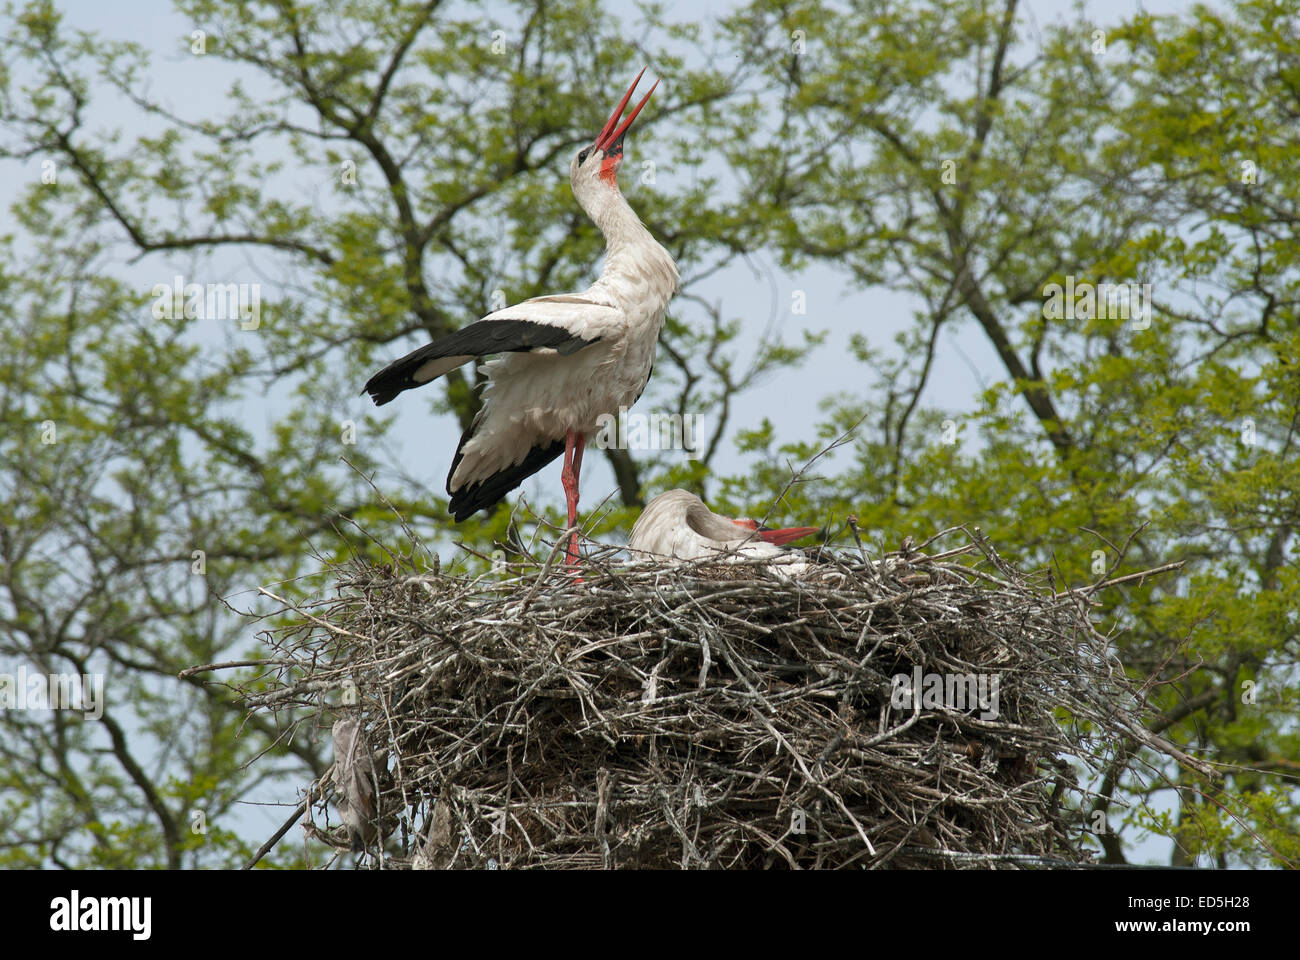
[[477, 340], [478, 496]]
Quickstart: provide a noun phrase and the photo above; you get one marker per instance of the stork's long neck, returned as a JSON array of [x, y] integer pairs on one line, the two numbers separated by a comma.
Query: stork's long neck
[[633, 257], [709, 524]]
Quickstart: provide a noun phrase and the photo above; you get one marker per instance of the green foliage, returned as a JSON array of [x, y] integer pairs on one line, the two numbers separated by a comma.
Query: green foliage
[[391, 171], [1154, 162]]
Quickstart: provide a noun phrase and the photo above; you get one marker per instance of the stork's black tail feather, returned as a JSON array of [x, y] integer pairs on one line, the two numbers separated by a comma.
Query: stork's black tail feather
[[399, 375], [485, 493], [480, 339]]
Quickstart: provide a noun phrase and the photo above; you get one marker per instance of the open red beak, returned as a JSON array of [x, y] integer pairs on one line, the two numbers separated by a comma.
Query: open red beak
[[787, 535], [610, 139]]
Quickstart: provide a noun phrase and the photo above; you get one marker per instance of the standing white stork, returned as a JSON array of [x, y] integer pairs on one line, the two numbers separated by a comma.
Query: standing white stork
[[678, 525], [568, 359]]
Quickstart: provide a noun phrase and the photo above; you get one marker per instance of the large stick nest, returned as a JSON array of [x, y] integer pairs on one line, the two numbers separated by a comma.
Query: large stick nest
[[704, 715]]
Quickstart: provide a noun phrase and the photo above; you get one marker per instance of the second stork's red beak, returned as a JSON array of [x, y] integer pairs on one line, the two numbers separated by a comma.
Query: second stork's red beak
[[610, 139], [787, 535], [779, 537]]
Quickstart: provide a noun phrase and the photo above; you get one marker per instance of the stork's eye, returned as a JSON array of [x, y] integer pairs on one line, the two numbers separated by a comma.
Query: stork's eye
[[582, 157]]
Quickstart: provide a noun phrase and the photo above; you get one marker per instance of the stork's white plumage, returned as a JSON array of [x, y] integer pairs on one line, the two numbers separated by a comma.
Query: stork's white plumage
[[677, 525], [567, 360]]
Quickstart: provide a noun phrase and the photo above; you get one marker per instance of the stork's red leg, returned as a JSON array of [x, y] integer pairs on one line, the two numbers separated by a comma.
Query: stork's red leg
[[579, 445], [573, 447]]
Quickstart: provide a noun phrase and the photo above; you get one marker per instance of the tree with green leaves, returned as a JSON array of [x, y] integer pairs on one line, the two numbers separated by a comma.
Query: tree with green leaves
[[389, 171], [1153, 153], [435, 143]]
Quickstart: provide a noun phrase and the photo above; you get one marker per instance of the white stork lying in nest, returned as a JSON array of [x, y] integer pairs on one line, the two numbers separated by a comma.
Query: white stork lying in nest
[[678, 526]]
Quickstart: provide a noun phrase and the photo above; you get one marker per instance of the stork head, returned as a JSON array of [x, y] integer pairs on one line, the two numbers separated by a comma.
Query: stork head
[[779, 537], [598, 163]]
